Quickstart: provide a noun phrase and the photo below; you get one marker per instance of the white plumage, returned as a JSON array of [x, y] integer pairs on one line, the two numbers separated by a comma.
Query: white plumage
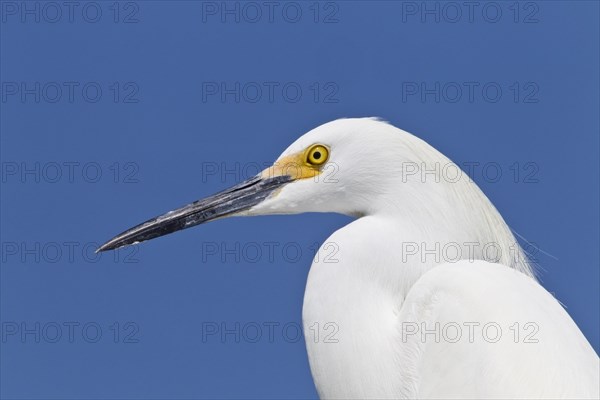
[[375, 293], [419, 310]]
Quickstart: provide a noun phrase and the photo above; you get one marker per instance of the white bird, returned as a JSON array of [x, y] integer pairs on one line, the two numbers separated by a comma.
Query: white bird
[[430, 297]]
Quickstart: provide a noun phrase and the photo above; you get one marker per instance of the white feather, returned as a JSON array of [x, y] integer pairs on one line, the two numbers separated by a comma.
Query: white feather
[[372, 289]]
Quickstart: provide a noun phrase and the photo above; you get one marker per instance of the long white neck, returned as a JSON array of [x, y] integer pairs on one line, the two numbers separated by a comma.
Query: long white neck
[[457, 223], [354, 295], [377, 260]]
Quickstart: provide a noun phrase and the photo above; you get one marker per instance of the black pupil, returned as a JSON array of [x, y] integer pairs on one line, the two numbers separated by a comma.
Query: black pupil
[[317, 155]]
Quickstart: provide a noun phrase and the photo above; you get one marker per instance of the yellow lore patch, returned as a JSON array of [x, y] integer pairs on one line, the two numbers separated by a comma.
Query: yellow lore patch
[[301, 165]]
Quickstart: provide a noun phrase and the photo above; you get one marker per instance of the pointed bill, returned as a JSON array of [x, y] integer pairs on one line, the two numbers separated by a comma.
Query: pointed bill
[[232, 201]]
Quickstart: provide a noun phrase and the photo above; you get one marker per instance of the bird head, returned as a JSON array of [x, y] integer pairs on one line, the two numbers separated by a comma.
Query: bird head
[[352, 166], [345, 166]]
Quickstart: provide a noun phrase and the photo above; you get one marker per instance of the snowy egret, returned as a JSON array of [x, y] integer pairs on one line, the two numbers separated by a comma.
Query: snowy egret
[[420, 308]]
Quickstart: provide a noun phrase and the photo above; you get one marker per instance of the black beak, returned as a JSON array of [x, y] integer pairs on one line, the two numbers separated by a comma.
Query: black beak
[[234, 200]]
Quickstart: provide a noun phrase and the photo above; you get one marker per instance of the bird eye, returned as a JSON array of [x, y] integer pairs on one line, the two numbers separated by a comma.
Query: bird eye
[[317, 155]]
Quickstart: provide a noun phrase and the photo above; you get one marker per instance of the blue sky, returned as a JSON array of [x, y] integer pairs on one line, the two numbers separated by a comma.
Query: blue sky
[[115, 112]]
